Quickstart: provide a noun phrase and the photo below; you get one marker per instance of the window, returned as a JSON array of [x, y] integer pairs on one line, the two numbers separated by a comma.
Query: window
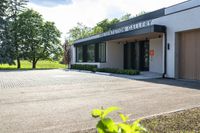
[[102, 52], [91, 53], [79, 54]]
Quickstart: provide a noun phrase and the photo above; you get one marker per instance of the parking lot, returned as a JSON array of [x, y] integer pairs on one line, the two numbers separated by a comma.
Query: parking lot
[[60, 101]]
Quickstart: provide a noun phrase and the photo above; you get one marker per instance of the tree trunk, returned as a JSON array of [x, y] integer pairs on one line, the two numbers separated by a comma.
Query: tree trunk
[[33, 65], [18, 63]]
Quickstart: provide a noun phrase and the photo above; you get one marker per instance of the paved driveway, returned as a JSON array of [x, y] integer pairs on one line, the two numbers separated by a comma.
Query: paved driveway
[[60, 101]]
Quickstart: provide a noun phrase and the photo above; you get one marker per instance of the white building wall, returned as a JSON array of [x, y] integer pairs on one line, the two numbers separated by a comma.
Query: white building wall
[[156, 61], [114, 56], [178, 18], [73, 54], [181, 21]]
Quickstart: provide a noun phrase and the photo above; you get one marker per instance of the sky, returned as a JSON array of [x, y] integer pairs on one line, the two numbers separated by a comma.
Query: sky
[[67, 13]]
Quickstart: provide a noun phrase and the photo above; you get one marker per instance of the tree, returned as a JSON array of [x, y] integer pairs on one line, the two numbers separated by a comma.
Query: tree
[[67, 53], [9, 38], [78, 32], [97, 30], [106, 24], [39, 39], [82, 31], [125, 17], [3, 7], [114, 21], [140, 13], [6, 56], [16, 7], [29, 27], [50, 47]]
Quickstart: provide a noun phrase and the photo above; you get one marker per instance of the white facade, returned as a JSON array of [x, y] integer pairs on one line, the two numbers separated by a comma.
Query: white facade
[[156, 61], [177, 22], [181, 17], [114, 56]]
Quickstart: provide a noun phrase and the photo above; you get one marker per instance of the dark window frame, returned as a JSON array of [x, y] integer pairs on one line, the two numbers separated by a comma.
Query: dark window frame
[[85, 53], [105, 52], [96, 52], [77, 53]]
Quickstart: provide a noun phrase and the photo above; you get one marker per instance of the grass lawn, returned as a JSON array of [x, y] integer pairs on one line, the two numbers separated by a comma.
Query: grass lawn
[[26, 65], [187, 121]]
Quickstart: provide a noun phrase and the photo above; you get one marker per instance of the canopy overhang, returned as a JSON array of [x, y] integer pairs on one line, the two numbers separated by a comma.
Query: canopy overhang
[[137, 32]]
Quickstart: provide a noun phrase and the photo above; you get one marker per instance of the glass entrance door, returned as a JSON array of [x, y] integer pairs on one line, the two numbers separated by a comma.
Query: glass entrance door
[[136, 55], [144, 56], [129, 56]]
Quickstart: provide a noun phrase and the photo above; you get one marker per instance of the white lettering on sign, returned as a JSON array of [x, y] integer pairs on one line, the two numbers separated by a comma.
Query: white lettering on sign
[[127, 28], [131, 27]]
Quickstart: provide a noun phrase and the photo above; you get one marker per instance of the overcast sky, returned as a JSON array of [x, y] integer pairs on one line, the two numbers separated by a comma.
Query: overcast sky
[[66, 13]]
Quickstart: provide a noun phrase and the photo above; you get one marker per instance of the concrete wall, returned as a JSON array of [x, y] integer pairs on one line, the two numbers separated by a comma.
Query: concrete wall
[[156, 61], [114, 56], [181, 21], [73, 53]]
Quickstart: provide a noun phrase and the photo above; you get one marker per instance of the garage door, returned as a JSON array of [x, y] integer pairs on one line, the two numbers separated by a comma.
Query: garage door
[[189, 55]]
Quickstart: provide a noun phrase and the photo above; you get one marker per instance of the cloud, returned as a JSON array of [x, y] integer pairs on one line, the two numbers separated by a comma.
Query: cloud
[[50, 3], [89, 12]]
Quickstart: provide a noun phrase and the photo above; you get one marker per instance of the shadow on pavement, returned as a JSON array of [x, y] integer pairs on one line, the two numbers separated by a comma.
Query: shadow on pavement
[[175, 82]]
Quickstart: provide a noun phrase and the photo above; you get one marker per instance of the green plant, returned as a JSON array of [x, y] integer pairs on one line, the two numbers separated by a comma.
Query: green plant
[[83, 67], [94, 68], [119, 71], [107, 125]]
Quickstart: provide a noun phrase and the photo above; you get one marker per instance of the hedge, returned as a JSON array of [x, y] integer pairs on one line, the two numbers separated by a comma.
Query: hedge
[[119, 71], [94, 68], [84, 67]]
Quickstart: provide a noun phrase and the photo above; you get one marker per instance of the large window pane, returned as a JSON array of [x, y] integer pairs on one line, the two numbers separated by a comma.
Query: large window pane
[[90, 53], [87, 53], [102, 52], [79, 54]]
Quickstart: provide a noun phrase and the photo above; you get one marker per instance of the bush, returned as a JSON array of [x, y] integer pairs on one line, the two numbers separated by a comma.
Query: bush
[[84, 67], [107, 125], [118, 71], [94, 68]]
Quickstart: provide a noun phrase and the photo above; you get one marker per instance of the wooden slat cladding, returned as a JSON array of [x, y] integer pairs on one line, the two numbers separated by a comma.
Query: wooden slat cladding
[[198, 55], [189, 55]]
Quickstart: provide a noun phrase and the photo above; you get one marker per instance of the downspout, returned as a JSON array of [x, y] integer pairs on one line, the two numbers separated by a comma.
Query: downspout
[[165, 55]]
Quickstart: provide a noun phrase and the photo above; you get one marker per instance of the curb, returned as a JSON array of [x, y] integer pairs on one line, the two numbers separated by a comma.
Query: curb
[[93, 130], [132, 77]]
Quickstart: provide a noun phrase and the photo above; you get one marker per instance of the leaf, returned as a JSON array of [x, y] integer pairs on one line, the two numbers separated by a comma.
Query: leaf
[[136, 127], [110, 125], [100, 127], [109, 110], [123, 117], [99, 130], [125, 128], [96, 113]]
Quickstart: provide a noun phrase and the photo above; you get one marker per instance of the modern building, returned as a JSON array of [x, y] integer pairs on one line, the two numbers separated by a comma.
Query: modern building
[[165, 41]]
